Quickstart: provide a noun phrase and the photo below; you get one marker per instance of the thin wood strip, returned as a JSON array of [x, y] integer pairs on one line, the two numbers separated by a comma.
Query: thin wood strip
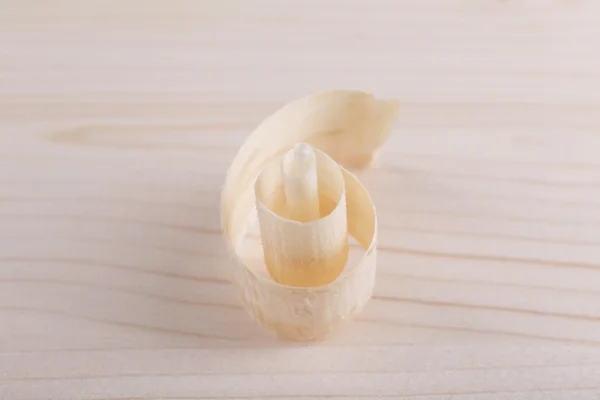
[[349, 126]]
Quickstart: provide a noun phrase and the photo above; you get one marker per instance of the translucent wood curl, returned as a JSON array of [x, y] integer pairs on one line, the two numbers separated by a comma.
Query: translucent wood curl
[[344, 127]]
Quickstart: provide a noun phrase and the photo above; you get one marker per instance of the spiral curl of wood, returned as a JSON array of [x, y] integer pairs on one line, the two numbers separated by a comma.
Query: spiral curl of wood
[[311, 290]]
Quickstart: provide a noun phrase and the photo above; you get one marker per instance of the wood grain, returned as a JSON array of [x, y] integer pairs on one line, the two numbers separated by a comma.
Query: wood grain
[[118, 120]]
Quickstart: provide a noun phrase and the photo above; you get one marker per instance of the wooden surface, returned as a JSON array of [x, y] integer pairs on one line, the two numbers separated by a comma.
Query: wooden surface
[[118, 120]]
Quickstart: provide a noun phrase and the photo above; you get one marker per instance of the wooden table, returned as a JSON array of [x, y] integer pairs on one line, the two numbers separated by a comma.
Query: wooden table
[[119, 118]]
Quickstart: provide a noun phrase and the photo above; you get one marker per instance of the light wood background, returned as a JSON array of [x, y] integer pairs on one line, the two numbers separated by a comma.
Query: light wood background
[[119, 118]]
